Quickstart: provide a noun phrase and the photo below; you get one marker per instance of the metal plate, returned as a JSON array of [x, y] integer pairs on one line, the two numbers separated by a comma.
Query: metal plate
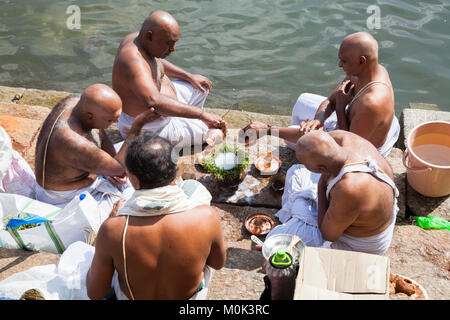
[[259, 223]]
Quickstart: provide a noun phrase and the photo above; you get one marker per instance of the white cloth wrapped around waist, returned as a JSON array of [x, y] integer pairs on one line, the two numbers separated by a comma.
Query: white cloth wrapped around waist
[[102, 190], [299, 206], [179, 131]]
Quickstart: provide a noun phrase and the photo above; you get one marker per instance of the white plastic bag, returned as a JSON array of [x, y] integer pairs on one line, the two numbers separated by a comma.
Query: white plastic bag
[[65, 281], [16, 175], [61, 228]]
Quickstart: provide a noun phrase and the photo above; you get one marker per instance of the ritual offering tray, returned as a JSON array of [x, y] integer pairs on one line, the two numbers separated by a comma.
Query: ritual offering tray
[[268, 163], [259, 223], [226, 164], [406, 287]]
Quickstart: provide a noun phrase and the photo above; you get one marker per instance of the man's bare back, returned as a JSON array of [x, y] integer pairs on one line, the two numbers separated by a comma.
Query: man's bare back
[[73, 149], [375, 198], [167, 253], [382, 114], [61, 154]]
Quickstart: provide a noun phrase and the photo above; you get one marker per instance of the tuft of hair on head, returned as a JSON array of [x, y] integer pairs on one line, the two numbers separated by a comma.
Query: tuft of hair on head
[[149, 158]]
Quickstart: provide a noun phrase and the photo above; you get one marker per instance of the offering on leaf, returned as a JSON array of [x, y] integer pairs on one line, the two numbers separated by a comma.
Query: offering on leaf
[[226, 163]]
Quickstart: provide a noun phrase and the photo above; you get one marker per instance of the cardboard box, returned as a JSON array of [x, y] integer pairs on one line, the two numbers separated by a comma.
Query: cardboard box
[[337, 274]]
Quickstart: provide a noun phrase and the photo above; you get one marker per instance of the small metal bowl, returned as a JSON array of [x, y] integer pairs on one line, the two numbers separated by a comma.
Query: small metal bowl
[[273, 169], [282, 241]]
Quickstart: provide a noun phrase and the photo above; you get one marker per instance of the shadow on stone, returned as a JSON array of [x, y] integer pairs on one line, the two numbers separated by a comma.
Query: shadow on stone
[[244, 259]]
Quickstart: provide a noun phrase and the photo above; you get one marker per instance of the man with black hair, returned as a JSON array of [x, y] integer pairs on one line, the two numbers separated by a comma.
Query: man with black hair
[[165, 241]]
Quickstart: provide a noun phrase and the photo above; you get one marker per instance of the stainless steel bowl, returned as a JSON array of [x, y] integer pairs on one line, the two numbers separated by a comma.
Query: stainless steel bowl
[[282, 241]]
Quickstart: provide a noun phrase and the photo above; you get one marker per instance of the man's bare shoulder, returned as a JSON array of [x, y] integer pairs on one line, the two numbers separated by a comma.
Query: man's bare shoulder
[[204, 212], [112, 228], [352, 188], [128, 53]]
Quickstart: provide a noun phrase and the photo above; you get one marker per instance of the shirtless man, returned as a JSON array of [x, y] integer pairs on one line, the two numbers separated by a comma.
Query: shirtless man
[[141, 78], [363, 102], [73, 151], [356, 194], [171, 236]]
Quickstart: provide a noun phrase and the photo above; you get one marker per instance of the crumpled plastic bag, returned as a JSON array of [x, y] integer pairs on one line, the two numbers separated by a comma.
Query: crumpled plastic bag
[[432, 222]]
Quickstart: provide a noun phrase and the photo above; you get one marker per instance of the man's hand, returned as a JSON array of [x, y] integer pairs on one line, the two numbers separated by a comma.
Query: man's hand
[[117, 206], [118, 181], [142, 119], [200, 82], [310, 125], [214, 122], [259, 127], [344, 94]]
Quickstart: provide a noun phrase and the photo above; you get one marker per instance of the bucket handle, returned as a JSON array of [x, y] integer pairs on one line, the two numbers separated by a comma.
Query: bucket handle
[[405, 156]]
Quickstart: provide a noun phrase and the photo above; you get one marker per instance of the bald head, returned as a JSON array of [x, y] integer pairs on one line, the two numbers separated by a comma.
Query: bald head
[[100, 104], [362, 44], [158, 34], [318, 151], [159, 20]]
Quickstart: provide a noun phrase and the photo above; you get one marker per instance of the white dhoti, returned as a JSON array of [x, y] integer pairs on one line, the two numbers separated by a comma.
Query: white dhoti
[[179, 131], [299, 206], [306, 108], [102, 190]]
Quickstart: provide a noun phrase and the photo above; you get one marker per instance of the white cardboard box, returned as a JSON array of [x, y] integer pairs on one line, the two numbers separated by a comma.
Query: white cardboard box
[[337, 274]]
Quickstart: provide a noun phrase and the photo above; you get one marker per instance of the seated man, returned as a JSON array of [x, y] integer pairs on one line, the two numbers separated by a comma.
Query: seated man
[[72, 156], [141, 78], [343, 193], [363, 103], [165, 240]]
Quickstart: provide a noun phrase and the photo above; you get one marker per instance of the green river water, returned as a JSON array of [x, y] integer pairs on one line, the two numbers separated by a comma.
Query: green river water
[[259, 51]]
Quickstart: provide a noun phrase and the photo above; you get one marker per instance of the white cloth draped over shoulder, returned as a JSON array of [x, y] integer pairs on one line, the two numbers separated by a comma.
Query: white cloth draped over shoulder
[[379, 243], [165, 200], [179, 131]]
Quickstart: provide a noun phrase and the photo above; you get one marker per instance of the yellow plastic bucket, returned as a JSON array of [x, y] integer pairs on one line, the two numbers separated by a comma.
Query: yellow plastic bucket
[[427, 158]]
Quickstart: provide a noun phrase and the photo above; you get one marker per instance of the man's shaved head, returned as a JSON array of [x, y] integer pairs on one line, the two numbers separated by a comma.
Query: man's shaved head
[[100, 97], [159, 19], [159, 33], [318, 151], [102, 105], [362, 43], [357, 52]]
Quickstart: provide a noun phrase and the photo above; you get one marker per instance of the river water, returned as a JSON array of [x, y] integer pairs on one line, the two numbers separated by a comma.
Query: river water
[[261, 51]]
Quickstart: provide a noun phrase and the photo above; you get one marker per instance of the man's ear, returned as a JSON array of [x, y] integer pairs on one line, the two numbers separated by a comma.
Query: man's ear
[[149, 35], [362, 60], [134, 181]]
